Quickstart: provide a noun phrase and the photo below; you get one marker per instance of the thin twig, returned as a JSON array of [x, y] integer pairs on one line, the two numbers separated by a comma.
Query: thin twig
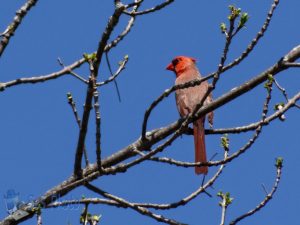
[[262, 203], [125, 204], [74, 109], [254, 41], [82, 201], [84, 214], [167, 206], [71, 72], [98, 124], [94, 67], [112, 75], [39, 219], [283, 91], [67, 69], [116, 74], [277, 114], [153, 9], [293, 64], [127, 29], [253, 126], [264, 188], [224, 208], [202, 188], [83, 128], [42, 78], [13, 26]]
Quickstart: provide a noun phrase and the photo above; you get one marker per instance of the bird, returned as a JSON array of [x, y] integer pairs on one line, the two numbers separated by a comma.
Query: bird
[[186, 70]]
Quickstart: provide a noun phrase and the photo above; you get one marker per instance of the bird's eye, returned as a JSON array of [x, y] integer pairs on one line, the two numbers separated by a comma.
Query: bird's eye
[[175, 62]]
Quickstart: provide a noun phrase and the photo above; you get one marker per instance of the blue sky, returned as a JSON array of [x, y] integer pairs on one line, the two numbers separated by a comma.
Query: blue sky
[[39, 135]]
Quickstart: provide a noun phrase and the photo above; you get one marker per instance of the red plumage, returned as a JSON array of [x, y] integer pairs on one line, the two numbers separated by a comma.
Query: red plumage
[[187, 99]]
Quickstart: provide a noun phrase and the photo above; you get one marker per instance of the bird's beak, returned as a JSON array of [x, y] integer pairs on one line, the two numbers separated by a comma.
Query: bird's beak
[[170, 67]]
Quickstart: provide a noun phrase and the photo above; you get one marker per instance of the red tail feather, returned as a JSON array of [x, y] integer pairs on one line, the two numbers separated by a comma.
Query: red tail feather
[[200, 151]]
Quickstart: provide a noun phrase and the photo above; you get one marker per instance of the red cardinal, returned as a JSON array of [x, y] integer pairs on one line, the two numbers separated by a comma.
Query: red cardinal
[[187, 99]]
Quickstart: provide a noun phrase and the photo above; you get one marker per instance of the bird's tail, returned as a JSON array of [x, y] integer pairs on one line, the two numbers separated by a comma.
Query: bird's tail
[[200, 151]]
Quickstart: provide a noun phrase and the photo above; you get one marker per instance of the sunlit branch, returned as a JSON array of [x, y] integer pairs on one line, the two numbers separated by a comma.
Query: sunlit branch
[[98, 124], [83, 128], [42, 78], [72, 73], [292, 64], [94, 67], [263, 203], [167, 206], [190, 197], [234, 93], [253, 126], [254, 42], [127, 29], [125, 204], [153, 9], [78, 121], [112, 75], [116, 74], [284, 93], [13, 26]]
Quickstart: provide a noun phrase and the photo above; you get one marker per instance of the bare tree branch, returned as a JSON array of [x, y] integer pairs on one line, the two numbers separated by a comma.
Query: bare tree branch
[[125, 204], [71, 67], [73, 106], [83, 127], [10, 30], [82, 201], [254, 42], [264, 121], [284, 92], [153, 9], [113, 21], [116, 74], [126, 30], [264, 202], [292, 64], [112, 164], [190, 197], [42, 78], [73, 73], [98, 125], [252, 126], [224, 208], [181, 202]]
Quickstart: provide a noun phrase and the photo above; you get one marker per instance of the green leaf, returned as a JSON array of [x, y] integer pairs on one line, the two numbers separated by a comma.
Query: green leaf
[[226, 199], [223, 27], [278, 106], [96, 218], [270, 78], [90, 57], [243, 20], [234, 12], [69, 97], [225, 141], [279, 162]]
